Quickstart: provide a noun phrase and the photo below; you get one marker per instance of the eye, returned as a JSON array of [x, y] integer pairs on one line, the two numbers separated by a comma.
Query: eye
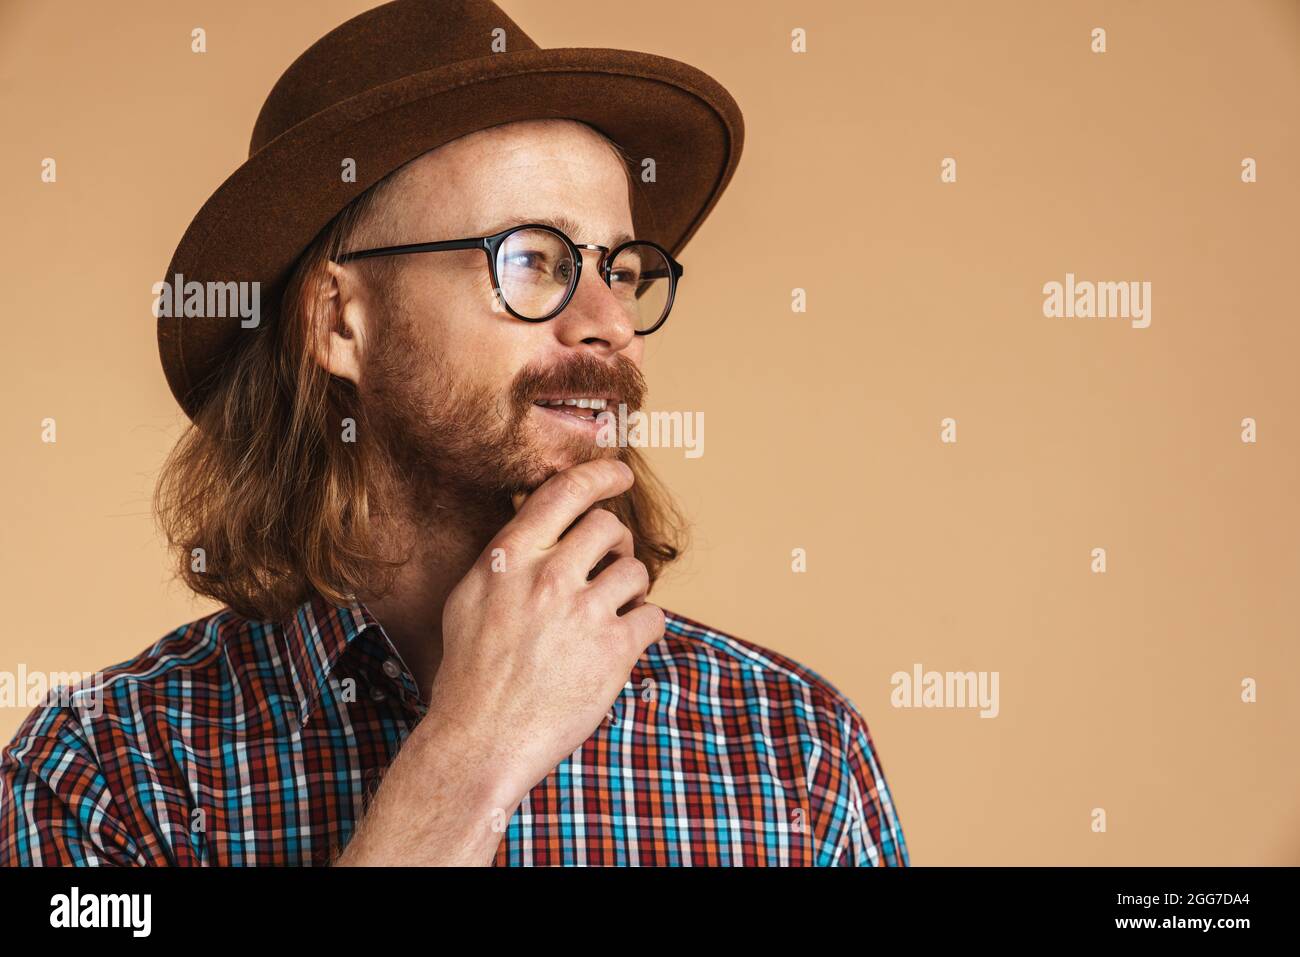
[[527, 259], [540, 263]]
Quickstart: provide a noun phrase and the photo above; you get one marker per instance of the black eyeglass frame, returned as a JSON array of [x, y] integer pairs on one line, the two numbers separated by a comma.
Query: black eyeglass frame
[[491, 244]]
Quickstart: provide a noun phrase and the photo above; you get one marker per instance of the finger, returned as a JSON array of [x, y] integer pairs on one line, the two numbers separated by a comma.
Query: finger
[[596, 535], [625, 582], [643, 626], [560, 500], [517, 500]]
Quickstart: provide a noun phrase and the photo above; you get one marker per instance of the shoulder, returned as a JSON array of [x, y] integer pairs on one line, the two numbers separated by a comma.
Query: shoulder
[[95, 742], [798, 720], [743, 686], [718, 656], [96, 711]]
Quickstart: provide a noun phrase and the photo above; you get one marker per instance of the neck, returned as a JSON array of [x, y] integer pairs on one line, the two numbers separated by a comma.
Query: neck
[[442, 540]]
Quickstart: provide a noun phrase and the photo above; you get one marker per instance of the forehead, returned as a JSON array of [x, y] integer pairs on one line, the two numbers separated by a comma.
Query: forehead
[[535, 170]]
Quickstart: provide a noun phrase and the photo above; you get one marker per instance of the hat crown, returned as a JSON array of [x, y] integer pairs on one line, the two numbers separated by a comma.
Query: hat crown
[[380, 46]]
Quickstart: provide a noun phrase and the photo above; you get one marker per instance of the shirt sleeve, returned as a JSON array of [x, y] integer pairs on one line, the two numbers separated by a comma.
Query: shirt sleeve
[[55, 804], [871, 835]]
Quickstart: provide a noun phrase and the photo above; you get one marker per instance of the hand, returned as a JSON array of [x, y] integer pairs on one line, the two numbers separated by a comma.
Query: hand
[[534, 653]]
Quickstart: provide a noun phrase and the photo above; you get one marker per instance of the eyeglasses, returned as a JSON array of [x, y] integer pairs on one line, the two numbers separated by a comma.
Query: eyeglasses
[[535, 269]]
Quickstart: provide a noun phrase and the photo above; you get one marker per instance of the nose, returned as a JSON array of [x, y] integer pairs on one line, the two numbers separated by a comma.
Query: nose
[[594, 317]]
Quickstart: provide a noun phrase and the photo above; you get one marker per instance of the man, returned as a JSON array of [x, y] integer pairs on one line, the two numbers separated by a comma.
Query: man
[[435, 645]]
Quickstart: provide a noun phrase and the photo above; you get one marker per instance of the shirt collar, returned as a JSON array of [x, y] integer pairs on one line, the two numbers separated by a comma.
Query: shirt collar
[[316, 635]]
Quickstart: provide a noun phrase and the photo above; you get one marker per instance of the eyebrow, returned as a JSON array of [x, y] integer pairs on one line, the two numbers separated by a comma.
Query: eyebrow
[[563, 223]]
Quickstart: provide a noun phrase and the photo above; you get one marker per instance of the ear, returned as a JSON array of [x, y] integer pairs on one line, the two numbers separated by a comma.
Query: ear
[[340, 345]]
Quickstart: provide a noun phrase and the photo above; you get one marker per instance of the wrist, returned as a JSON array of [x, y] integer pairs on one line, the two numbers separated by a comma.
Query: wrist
[[479, 775]]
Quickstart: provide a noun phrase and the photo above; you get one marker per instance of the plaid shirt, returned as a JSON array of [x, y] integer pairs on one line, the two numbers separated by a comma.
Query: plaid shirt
[[241, 742]]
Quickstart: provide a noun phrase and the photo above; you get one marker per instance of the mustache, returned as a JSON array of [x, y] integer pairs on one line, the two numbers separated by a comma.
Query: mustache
[[581, 375]]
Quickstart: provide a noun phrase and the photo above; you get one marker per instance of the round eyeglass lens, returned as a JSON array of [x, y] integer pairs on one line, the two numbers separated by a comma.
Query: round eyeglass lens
[[535, 269], [641, 279]]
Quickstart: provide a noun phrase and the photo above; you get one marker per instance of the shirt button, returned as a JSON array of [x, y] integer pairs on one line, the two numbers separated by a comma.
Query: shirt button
[[377, 693], [392, 668]]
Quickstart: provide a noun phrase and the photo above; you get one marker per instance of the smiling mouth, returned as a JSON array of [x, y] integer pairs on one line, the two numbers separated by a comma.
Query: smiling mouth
[[585, 409]]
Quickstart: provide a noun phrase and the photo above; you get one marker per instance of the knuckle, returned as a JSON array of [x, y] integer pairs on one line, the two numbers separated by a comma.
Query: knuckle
[[575, 487], [549, 579], [631, 569], [507, 543], [590, 610], [656, 622], [606, 521]]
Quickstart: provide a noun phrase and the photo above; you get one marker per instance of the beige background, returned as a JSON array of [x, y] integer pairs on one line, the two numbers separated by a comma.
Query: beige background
[[1119, 691]]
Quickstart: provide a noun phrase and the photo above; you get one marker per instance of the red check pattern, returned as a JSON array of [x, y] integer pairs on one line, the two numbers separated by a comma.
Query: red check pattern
[[241, 742]]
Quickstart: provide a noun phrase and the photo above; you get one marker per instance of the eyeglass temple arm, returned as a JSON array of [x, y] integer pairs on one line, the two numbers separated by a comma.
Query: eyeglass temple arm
[[413, 248]]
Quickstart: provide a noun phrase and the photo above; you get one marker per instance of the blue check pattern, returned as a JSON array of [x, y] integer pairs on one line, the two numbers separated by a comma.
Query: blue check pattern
[[240, 742]]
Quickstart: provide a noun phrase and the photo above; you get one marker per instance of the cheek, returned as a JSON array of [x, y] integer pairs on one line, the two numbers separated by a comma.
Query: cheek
[[635, 351], [452, 319], [456, 299]]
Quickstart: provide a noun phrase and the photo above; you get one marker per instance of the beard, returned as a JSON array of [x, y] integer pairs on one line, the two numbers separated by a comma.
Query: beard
[[451, 441]]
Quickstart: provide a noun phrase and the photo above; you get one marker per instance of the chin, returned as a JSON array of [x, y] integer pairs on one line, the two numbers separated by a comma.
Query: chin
[[555, 459]]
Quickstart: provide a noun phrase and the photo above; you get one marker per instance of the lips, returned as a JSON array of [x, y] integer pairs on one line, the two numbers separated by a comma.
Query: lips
[[580, 407]]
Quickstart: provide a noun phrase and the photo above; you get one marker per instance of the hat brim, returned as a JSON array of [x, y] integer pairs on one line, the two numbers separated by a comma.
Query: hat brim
[[258, 222]]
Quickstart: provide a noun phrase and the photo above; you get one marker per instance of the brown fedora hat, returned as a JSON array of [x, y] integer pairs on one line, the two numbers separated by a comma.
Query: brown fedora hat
[[405, 78]]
